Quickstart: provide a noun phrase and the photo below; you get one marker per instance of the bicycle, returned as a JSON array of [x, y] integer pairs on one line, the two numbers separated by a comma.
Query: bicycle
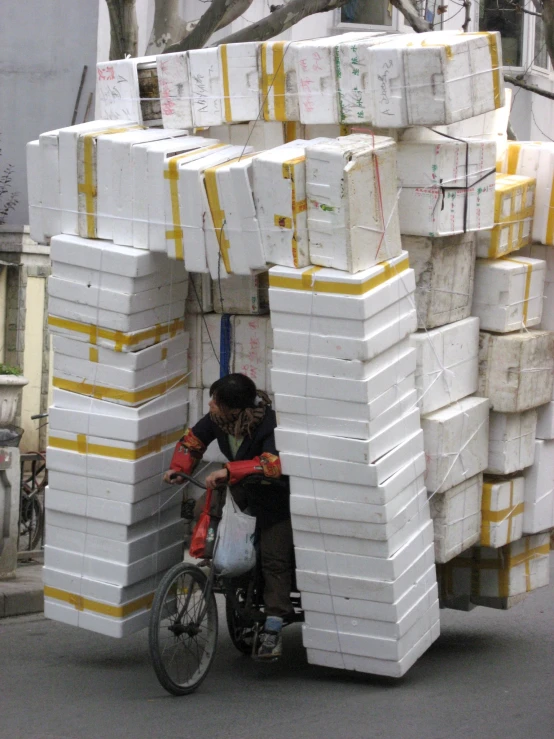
[[184, 626], [31, 506]]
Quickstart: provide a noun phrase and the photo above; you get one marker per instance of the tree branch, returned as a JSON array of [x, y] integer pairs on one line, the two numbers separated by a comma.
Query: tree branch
[[526, 86], [408, 10], [236, 9], [207, 25]]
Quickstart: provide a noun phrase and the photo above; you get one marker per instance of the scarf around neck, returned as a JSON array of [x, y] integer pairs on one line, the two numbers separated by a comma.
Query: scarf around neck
[[242, 422]]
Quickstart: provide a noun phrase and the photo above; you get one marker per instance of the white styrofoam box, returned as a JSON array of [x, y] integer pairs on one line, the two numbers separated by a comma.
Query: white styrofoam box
[[116, 175], [344, 425], [456, 443], [174, 85], [545, 421], [514, 207], [516, 371], [371, 665], [456, 515], [168, 232], [367, 588], [444, 270], [249, 349], [67, 158], [201, 214], [127, 462], [316, 291], [155, 172], [435, 80], [200, 298], [317, 69], [511, 441], [48, 186], [34, 191], [508, 293], [109, 300], [259, 135], [368, 646], [546, 254], [278, 81], [352, 202], [538, 514], [300, 465], [349, 450], [98, 568], [279, 183], [240, 81], [242, 295], [193, 324], [118, 93], [447, 363], [446, 186], [226, 249], [121, 386], [363, 349], [115, 320], [81, 415], [206, 87], [502, 511], [79, 486], [242, 231], [383, 619], [290, 375], [94, 278]]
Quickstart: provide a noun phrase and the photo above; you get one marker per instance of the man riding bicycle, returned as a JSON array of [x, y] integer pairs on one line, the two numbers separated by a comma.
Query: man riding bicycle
[[243, 422]]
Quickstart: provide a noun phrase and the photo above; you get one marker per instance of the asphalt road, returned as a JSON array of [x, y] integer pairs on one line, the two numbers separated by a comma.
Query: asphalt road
[[490, 675]]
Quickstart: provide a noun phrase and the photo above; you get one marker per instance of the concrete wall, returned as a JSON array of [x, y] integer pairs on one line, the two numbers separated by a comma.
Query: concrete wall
[[43, 47]]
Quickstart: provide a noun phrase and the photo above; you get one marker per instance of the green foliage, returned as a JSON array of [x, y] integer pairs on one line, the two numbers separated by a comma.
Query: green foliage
[[6, 369]]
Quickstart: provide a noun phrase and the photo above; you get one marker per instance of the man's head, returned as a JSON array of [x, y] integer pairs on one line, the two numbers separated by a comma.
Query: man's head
[[233, 392]]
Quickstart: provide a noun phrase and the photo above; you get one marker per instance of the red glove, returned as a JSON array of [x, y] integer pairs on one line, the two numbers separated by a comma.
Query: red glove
[[267, 464], [182, 460]]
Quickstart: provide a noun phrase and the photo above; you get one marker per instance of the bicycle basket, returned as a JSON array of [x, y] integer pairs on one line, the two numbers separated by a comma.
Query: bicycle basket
[[10, 435]]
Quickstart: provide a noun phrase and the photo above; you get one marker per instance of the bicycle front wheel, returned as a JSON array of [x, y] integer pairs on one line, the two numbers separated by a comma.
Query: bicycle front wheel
[[183, 629]]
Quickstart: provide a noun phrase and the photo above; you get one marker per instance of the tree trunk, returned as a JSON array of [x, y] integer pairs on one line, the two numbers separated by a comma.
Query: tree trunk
[[123, 28], [548, 20], [236, 9], [408, 10], [207, 24], [168, 27]]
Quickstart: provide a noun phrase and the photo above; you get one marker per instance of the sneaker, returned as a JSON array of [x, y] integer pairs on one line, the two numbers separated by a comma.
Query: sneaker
[[270, 646]]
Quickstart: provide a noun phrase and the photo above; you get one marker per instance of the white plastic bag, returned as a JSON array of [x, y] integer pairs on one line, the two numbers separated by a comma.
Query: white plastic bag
[[234, 552]]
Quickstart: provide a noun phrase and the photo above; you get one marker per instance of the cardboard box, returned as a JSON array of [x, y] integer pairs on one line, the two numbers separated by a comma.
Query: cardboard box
[[435, 80], [243, 295], [121, 92], [511, 441], [508, 293], [447, 364], [279, 82], [502, 511], [335, 294], [174, 84], [279, 178], [514, 207], [446, 186], [352, 202], [116, 177], [206, 87], [34, 191], [456, 443], [241, 81], [545, 421], [456, 515], [516, 371], [156, 167], [538, 514], [444, 270]]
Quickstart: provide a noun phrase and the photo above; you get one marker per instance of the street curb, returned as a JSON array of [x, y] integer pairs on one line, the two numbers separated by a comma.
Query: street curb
[[23, 594]]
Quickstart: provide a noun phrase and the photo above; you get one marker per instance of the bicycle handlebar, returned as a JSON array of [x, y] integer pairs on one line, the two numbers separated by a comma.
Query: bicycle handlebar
[[38, 416]]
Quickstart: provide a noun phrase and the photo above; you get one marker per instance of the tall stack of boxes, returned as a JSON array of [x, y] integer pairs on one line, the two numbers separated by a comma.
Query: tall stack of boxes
[[348, 426]]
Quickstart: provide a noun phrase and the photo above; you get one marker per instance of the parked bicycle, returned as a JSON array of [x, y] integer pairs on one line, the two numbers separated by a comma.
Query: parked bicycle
[[184, 619], [34, 479]]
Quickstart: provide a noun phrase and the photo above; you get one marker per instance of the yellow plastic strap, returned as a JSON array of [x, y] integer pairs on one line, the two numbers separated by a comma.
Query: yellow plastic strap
[[86, 604], [296, 207], [550, 221], [513, 157], [112, 393], [226, 87], [341, 288], [120, 339], [93, 354], [275, 83], [218, 214], [81, 446]]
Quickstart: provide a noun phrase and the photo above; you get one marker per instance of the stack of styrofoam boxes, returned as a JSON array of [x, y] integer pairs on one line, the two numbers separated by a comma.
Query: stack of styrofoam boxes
[[120, 403], [447, 193], [128, 88], [348, 428]]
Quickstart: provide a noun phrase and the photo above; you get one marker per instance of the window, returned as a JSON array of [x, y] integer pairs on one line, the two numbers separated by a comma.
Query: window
[[502, 16], [540, 53]]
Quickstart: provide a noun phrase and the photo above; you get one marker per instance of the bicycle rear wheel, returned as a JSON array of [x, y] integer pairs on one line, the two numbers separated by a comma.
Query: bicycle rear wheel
[[183, 629]]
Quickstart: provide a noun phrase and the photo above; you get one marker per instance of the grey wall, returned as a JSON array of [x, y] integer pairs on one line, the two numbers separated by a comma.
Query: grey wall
[[43, 47]]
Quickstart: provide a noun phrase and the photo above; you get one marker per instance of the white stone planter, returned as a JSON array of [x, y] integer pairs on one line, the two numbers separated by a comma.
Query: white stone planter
[[11, 387]]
